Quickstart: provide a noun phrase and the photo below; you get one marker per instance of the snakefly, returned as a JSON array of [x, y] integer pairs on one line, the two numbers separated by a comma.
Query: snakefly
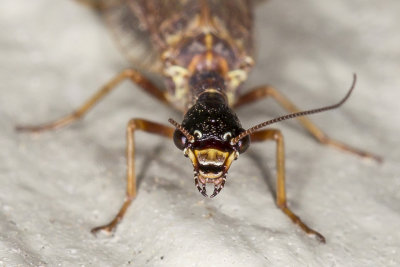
[[203, 50]]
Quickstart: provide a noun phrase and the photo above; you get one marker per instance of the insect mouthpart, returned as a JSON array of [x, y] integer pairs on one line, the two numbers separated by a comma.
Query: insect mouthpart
[[210, 166], [206, 132], [218, 185]]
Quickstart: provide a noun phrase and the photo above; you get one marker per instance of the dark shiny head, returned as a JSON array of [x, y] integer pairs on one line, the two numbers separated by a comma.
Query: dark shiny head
[[212, 137], [210, 125]]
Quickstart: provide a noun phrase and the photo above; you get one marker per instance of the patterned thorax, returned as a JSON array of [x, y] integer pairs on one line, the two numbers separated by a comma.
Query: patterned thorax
[[198, 36]]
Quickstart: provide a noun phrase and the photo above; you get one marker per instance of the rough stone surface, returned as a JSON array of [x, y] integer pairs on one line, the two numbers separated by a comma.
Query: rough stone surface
[[55, 186]]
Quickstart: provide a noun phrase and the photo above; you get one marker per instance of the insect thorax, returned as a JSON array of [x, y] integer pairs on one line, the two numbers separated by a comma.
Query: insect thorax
[[204, 53]]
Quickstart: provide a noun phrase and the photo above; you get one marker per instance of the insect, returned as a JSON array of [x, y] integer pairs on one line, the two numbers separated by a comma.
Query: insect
[[203, 49]]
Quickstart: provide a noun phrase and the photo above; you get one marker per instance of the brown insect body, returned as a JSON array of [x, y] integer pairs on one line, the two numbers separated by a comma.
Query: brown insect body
[[203, 49], [191, 36]]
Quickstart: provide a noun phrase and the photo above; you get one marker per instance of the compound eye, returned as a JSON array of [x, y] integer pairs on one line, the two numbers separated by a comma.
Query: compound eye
[[243, 144], [197, 134], [180, 140], [227, 136]]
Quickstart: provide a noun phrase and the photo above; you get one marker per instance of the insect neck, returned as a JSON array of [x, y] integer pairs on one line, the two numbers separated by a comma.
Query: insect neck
[[208, 86]]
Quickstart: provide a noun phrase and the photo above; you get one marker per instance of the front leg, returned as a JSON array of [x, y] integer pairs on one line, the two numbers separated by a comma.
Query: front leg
[[133, 125], [276, 135]]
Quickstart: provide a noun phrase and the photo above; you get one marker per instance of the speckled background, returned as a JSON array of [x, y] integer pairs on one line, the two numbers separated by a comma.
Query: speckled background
[[55, 186]]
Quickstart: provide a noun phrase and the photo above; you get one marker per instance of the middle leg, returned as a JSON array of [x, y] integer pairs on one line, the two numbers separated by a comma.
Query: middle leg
[[131, 74], [267, 91], [276, 135]]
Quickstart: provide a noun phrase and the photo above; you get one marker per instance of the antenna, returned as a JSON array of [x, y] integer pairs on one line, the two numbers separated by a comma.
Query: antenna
[[189, 137], [294, 115]]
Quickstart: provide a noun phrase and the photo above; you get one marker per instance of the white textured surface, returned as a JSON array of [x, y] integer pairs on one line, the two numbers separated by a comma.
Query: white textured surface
[[54, 187]]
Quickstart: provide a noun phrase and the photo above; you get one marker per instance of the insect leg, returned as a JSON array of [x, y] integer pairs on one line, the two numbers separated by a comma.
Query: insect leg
[[267, 91], [99, 4], [135, 76], [134, 125], [276, 135]]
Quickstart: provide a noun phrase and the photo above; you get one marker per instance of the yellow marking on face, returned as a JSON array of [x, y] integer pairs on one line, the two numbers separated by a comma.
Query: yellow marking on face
[[211, 156], [192, 157], [234, 155], [210, 175]]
